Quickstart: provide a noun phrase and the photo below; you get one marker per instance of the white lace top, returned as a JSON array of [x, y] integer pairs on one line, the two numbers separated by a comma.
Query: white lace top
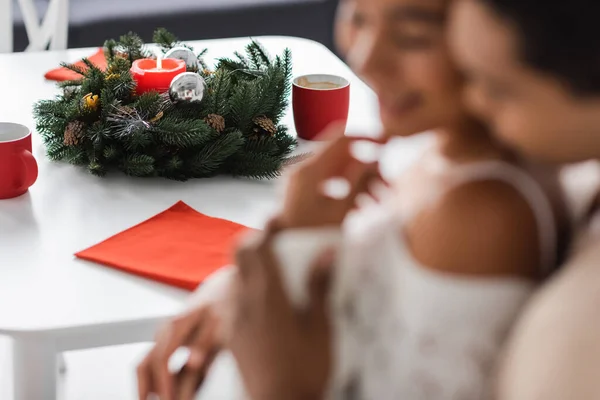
[[403, 331]]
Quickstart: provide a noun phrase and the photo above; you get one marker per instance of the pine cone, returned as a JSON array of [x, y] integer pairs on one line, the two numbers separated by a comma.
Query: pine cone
[[265, 126], [74, 133], [216, 122]]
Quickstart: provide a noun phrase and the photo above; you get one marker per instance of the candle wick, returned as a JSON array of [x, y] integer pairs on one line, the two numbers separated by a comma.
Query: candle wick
[[159, 61]]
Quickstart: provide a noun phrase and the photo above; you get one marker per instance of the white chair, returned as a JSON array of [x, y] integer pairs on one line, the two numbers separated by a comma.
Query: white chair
[[52, 31]]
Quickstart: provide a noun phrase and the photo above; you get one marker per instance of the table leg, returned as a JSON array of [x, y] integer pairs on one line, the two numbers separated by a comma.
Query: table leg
[[34, 370], [62, 364]]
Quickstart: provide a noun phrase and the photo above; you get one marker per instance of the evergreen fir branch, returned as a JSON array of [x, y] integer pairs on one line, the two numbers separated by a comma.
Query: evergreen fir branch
[[96, 168], [217, 100], [284, 88], [192, 110], [138, 139], [70, 93], [243, 60], [133, 46], [75, 68], [56, 151], [286, 143], [90, 66], [140, 165], [111, 152], [203, 63], [254, 165], [183, 133], [269, 88], [51, 120], [258, 55], [48, 111], [119, 66], [93, 82], [121, 88], [287, 63], [73, 108], [165, 39], [243, 105], [208, 160], [109, 50], [296, 159], [175, 163], [172, 168], [230, 65], [99, 134], [263, 145], [109, 100], [249, 74], [75, 155], [149, 104], [68, 84]]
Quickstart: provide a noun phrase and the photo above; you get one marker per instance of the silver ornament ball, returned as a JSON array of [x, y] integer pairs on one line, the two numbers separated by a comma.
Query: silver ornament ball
[[187, 87], [185, 54]]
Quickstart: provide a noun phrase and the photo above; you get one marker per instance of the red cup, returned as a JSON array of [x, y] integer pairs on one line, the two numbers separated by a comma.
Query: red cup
[[18, 168], [319, 100]]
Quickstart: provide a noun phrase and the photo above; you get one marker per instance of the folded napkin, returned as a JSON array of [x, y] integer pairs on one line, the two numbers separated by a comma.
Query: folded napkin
[[179, 247], [65, 74]]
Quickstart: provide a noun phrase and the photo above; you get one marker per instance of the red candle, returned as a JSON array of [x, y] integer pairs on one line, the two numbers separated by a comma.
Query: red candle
[[150, 76]]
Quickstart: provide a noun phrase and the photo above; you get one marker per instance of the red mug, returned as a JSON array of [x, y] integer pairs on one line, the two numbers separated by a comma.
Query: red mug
[[18, 168], [318, 101]]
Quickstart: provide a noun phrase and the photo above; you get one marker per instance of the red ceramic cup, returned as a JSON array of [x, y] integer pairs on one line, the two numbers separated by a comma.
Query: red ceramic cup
[[18, 168], [319, 100]]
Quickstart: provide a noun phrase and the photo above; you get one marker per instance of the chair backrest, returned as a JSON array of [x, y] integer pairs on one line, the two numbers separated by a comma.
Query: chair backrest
[[51, 32]]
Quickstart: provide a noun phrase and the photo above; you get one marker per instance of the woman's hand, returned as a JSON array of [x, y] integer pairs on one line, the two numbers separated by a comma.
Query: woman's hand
[[282, 352], [306, 202], [200, 330]]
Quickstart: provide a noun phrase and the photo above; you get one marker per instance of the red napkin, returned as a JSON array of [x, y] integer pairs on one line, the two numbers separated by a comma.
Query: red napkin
[[179, 247], [64, 74]]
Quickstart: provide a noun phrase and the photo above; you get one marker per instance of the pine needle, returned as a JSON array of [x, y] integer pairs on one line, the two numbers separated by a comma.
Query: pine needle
[[297, 159]]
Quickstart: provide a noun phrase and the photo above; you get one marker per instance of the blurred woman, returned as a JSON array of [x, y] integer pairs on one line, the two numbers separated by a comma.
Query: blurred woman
[[430, 279]]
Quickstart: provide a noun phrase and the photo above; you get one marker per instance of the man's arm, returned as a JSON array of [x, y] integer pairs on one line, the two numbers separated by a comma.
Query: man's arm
[[554, 353]]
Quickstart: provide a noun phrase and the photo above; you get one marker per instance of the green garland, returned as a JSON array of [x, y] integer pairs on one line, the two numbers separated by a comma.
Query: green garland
[[100, 122]]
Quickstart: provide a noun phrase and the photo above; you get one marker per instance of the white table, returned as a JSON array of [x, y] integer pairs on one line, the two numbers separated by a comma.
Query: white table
[[49, 301]]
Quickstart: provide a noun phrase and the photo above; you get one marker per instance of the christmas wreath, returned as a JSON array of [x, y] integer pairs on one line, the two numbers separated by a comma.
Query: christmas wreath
[[101, 121]]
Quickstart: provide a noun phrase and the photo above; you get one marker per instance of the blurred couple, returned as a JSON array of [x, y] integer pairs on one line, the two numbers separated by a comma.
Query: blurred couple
[[439, 283]]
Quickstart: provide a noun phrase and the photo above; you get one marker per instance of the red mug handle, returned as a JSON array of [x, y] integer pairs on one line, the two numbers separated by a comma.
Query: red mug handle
[[30, 170]]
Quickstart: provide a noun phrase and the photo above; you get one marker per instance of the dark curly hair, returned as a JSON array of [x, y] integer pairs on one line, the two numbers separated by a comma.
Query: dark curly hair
[[559, 37]]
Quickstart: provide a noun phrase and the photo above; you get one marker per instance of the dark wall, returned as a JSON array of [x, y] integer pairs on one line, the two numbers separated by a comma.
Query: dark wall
[[311, 20]]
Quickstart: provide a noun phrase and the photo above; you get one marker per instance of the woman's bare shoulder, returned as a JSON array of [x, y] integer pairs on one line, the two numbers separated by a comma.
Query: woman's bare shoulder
[[479, 228]]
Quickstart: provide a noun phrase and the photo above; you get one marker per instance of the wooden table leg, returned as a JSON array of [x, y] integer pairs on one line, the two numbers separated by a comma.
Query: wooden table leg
[[34, 370]]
